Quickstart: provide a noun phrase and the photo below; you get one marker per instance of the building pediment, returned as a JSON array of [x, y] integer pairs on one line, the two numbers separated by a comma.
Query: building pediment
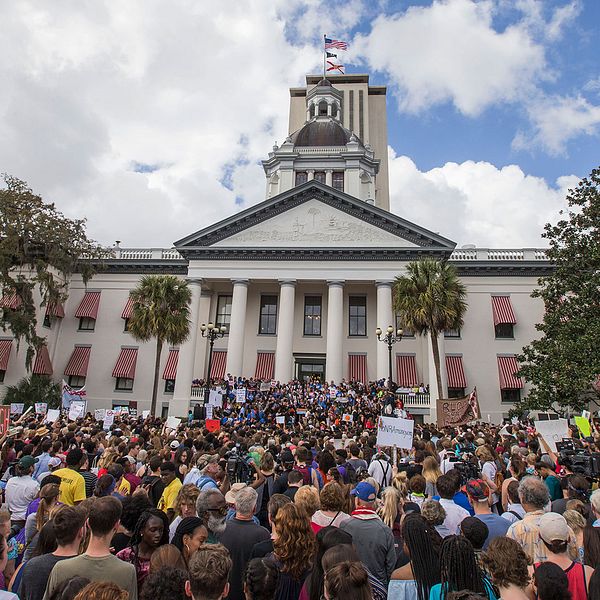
[[313, 217]]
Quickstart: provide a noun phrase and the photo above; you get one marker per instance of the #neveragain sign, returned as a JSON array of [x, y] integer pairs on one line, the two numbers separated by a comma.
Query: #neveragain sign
[[392, 431]]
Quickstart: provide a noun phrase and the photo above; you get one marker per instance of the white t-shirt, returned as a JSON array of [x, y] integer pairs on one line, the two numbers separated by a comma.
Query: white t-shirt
[[489, 469], [19, 492], [381, 470]]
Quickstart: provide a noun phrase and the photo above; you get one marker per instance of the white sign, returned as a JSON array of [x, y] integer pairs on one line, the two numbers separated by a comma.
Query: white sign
[[77, 409], [338, 444], [347, 418], [145, 414], [395, 432], [240, 395], [209, 411], [99, 414], [41, 408], [109, 419], [52, 415], [16, 409], [215, 398], [265, 386], [332, 392], [173, 422], [553, 431], [280, 419]]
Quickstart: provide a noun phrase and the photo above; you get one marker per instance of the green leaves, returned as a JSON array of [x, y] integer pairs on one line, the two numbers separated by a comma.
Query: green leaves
[[37, 388]]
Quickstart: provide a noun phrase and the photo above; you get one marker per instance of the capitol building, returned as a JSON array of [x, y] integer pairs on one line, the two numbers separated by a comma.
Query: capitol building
[[301, 281]]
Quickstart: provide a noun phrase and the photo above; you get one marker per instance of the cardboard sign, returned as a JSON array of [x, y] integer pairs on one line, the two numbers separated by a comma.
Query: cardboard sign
[[213, 425], [173, 422], [265, 386], [16, 409], [109, 419], [553, 431], [280, 419], [99, 414], [52, 415], [4, 419], [41, 408], [395, 432]]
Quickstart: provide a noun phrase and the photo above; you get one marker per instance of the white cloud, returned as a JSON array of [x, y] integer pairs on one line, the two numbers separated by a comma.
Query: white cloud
[[556, 120], [450, 52], [477, 202]]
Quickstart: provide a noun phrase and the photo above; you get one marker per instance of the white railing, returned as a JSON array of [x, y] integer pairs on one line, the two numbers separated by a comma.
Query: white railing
[[197, 392], [498, 254], [415, 400], [320, 150], [146, 254]]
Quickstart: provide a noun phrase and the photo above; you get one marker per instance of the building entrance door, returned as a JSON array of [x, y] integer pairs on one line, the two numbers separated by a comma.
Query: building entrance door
[[310, 368]]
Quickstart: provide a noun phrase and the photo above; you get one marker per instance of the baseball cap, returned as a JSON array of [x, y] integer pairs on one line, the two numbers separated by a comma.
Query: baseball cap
[[54, 462], [553, 526], [27, 461], [364, 491], [477, 489], [174, 445], [233, 492]]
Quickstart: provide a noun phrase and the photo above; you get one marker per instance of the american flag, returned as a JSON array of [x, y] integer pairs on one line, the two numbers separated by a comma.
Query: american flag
[[329, 43]]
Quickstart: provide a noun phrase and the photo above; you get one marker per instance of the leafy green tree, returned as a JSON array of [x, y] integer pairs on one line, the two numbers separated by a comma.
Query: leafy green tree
[[39, 249], [429, 300], [564, 363], [36, 388], [160, 311]]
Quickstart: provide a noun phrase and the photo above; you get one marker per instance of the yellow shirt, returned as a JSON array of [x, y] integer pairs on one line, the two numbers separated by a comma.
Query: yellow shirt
[[167, 500], [72, 486], [124, 488]]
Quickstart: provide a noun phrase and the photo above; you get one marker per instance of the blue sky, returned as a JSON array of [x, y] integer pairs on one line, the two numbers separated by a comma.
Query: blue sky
[[150, 119]]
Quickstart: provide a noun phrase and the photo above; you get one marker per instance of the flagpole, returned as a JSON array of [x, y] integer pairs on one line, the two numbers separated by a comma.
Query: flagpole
[[324, 54]]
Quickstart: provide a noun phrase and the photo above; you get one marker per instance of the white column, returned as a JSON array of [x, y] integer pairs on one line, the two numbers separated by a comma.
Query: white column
[[434, 393], [311, 174], [237, 327], [385, 317], [180, 403], [329, 177], [285, 330], [334, 368]]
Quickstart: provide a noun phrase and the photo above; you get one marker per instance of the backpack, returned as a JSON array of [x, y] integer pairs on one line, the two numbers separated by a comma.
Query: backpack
[[512, 512], [305, 472], [350, 473]]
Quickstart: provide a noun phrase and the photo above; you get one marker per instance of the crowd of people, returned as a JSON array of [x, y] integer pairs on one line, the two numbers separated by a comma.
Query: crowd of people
[[302, 508]]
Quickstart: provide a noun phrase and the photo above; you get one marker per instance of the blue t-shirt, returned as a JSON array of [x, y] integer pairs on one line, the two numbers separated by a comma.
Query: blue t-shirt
[[497, 527], [436, 591]]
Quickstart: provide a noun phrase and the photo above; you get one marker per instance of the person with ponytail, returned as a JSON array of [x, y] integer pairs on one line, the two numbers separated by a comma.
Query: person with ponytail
[[261, 579], [347, 581], [35, 521], [190, 534], [415, 580], [459, 570]]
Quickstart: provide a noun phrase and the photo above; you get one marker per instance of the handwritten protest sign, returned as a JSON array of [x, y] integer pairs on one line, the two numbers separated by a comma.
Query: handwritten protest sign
[[52, 415], [395, 432], [553, 431], [41, 408]]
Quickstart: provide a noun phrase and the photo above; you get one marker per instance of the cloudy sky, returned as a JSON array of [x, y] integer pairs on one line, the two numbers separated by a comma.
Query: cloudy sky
[[150, 118]]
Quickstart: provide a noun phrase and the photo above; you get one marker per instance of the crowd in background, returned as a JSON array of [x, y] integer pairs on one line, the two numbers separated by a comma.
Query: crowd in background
[[304, 509]]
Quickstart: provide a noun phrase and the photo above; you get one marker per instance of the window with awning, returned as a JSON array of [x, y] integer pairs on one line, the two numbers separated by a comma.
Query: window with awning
[[128, 310], [55, 309], [78, 363], [455, 371], [11, 301], [406, 367], [42, 364], [125, 365], [170, 372], [507, 367], [265, 366], [357, 367], [5, 349], [504, 317], [219, 363], [88, 307]]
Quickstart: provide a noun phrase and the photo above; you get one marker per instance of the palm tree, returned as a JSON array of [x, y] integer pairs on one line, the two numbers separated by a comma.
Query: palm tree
[[429, 300], [161, 311], [33, 389]]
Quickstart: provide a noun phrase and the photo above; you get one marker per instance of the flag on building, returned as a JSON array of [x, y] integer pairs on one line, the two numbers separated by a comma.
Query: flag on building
[[333, 67], [331, 55], [329, 43]]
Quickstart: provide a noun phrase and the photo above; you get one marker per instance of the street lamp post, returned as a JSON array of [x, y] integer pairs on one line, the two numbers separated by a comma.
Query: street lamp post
[[211, 333], [390, 339]]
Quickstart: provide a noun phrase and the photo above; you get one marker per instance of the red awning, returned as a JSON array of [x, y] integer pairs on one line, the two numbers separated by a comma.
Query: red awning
[[42, 364], [406, 365], [125, 367], [170, 371], [88, 307], [265, 366], [55, 309], [219, 363], [357, 367], [455, 372], [126, 314], [502, 310], [78, 363], [507, 367], [5, 348], [10, 301]]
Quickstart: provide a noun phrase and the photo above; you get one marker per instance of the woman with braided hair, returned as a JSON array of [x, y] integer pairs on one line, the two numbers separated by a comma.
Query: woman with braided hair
[[459, 570], [261, 579], [151, 531]]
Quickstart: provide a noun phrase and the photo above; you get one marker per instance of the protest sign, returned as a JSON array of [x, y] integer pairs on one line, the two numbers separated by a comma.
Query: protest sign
[[99, 414], [213, 425], [77, 409], [145, 414], [240, 395], [338, 444], [584, 426], [41, 408], [109, 419], [280, 419], [209, 411], [395, 432], [265, 386], [16, 409], [553, 431], [4, 419], [347, 418], [458, 411], [52, 415], [173, 422], [70, 394], [215, 398]]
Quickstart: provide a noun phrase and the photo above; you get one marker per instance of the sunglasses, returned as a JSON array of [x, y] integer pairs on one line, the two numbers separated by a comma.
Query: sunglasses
[[221, 511]]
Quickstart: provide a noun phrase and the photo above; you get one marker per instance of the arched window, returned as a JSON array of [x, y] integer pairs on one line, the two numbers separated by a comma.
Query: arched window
[[322, 108], [301, 177]]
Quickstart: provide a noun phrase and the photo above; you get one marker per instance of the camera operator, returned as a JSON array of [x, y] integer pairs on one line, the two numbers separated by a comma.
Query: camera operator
[[577, 488]]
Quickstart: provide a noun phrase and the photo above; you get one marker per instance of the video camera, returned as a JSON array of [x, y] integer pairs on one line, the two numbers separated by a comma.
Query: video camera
[[238, 467], [578, 460], [465, 463]]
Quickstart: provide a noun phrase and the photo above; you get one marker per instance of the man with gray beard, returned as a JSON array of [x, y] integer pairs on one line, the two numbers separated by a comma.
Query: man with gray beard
[[212, 509]]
